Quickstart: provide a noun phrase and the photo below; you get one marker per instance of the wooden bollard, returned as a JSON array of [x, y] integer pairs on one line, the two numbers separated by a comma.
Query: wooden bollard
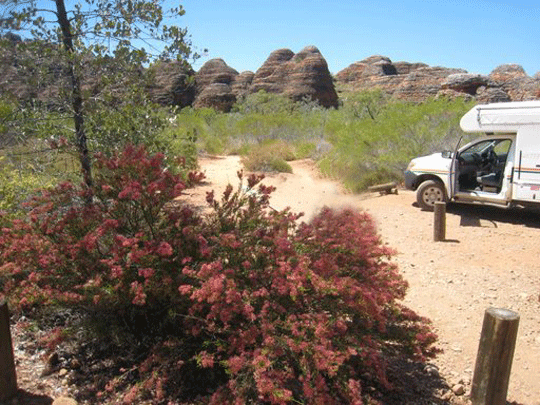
[[439, 221], [8, 376], [494, 359]]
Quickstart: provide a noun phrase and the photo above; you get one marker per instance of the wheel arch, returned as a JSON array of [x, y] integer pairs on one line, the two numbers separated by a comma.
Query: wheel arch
[[420, 179]]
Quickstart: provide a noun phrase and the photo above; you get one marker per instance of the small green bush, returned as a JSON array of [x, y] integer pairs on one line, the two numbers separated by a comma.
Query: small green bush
[[269, 157], [305, 150]]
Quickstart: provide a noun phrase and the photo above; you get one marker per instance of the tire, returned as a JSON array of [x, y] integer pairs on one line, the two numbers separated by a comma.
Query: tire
[[429, 192]]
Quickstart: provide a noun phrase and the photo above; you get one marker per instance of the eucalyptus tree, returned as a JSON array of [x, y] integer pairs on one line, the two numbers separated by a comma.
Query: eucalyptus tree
[[103, 39]]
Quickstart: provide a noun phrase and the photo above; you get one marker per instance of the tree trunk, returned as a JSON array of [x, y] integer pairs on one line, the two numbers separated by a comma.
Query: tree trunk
[[76, 98], [8, 376]]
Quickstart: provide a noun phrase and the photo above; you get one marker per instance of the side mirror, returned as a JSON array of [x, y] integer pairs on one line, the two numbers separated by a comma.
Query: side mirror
[[447, 154]]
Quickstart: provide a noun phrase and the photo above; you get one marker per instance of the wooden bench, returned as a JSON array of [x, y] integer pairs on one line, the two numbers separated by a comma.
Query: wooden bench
[[383, 189]]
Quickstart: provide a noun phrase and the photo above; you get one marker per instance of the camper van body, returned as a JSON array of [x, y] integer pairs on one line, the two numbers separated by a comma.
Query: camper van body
[[501, 167]]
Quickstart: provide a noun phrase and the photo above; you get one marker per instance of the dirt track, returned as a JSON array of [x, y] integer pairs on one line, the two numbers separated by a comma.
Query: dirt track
[[491, 258]]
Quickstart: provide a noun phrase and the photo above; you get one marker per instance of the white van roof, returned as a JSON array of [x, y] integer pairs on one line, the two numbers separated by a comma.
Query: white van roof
[[501, 117]]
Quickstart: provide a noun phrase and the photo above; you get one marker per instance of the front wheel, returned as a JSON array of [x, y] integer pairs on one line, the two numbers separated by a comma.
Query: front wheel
[[429, 192]]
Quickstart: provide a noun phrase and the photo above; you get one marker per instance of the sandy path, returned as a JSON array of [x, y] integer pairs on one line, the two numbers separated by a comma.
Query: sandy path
[[491, 258]]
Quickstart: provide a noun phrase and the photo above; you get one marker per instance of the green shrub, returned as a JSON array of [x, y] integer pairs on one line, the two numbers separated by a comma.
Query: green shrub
[[213, 129], [178, 142], [256, 119], [304, 150], [16, 186], [377, 146], [269, 157], [263, 103], [256, 162]]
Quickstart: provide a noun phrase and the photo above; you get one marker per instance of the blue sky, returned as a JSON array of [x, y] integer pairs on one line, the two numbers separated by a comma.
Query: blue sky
[[475, 35]]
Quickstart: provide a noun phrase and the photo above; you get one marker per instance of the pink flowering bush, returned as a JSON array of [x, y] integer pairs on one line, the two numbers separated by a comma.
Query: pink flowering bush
[[298, 313], [115, 251], [244, 301]]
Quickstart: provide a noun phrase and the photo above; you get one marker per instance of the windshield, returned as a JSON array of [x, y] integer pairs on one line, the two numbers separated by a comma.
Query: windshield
[[480, 146]]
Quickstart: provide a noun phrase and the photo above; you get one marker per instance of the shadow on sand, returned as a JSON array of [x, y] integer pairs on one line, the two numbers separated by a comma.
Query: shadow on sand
[[488, 216], [26, 398]]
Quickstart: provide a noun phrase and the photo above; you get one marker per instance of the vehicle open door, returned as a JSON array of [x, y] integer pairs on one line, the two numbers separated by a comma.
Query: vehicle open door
[[452, 180]]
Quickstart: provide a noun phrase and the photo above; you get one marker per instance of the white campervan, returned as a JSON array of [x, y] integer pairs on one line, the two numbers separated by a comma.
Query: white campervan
[[502, 167]]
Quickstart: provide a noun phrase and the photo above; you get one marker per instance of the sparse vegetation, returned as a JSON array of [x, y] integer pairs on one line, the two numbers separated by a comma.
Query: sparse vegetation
[[375, 143], [369, 139]]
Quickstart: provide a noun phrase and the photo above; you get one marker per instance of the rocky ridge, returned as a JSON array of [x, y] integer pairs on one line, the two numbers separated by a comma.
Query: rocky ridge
[[418, 81], [304, 75]]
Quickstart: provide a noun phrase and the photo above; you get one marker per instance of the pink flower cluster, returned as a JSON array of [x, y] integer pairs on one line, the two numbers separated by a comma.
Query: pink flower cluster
[[282, 303]]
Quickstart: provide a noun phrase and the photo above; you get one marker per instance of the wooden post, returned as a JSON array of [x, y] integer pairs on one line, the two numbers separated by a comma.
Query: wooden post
[[439, 222], [8, 376], [494, 359]]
